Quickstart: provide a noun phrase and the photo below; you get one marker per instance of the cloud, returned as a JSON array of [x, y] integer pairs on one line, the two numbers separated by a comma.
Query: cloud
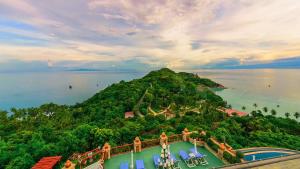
[[175, 33]]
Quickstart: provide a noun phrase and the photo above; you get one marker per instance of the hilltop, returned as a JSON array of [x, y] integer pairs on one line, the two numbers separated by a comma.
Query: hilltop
[[49, 130], [158, 90]]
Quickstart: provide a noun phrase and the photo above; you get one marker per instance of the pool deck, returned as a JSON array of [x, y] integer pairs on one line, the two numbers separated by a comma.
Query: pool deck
[[147, 154]]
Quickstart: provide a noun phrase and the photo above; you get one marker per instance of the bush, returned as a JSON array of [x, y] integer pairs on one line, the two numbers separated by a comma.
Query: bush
[[195, 135], [215, 147], [212, 145], [239, 154], [231, 158]]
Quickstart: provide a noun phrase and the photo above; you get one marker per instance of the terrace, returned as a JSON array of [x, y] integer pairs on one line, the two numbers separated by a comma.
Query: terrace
[[147, 154], [165, 150]]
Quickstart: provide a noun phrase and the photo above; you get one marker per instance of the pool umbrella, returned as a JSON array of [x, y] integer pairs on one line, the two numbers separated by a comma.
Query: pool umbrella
[[195, 146], [131, 165]]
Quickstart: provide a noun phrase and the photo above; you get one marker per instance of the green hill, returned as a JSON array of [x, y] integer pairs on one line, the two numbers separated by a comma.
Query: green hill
[[48, 130], [158, 89]]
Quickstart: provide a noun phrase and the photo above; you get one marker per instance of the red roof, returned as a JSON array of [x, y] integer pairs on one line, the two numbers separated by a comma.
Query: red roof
[[231, 111], [129, 114], [47, 162]]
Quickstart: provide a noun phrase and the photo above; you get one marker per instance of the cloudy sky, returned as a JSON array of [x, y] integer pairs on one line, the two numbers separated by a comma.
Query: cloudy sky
[[179, 34]]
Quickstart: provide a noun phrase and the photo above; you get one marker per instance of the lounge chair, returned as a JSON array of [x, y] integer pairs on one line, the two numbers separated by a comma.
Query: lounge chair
[[124, 166], [176, 162], [156, 160], [199, 157], [185, 157], [139, 164]]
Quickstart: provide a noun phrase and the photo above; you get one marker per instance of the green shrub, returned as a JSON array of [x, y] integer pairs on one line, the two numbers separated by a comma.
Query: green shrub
[[215, 147], [231, 158], [212, 145], [195, 135], [239, 154]]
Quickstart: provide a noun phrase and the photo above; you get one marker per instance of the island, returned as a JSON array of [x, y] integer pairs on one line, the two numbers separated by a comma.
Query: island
[[163, 101]]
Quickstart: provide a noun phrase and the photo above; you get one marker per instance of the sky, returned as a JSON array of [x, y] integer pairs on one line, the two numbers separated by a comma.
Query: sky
[[144, 34]]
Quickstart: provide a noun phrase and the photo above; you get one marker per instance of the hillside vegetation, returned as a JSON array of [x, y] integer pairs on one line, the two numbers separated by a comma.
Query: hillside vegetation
[[29, 134]]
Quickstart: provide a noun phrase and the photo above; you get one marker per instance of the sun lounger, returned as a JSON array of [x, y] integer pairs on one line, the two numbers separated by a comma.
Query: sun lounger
[[185, 157], [156, 160], [124, 166], [140, 164], [173, 157], [176, 162], [199, 157]]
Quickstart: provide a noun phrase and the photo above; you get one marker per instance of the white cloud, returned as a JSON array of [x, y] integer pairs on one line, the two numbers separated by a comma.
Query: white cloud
[[155, 32]]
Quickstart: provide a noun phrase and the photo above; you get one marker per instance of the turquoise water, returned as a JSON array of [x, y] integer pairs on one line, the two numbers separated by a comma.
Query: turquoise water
[[265, 87], [263, 155], [23, 90]]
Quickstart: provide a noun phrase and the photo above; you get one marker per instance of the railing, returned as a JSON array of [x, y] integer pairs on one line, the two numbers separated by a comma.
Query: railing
[[121, 149], [150, 143], [175, 138], [255, 149], [257, 163], [89, 157]]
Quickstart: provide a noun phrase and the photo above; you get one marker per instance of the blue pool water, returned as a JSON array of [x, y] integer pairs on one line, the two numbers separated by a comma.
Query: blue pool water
[[263, 155]]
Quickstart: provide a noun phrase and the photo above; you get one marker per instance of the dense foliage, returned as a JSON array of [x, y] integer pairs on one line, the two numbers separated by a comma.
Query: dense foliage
[[29, 134]]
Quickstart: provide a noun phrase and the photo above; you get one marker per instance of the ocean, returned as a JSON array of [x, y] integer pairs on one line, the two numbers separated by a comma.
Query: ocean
[[265, 87], [31, 89]]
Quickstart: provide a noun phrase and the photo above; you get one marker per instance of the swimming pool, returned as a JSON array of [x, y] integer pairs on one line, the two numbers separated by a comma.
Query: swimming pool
[[263, 155]]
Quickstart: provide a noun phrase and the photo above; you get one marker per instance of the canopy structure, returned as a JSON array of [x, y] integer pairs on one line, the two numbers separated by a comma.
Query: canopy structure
[[47, 162]]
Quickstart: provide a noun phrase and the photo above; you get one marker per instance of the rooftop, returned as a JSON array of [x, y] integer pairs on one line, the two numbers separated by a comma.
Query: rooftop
[[129, 114], [230, 112], [147, 154], [47, 162]]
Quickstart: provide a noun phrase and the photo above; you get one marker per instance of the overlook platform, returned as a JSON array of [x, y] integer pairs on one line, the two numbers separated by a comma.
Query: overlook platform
[[147, 154]]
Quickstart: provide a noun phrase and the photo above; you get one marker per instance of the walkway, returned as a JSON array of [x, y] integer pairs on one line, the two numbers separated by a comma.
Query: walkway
[[290, 162]]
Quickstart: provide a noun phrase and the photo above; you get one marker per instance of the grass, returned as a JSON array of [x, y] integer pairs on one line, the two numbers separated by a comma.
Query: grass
[[146, 155]]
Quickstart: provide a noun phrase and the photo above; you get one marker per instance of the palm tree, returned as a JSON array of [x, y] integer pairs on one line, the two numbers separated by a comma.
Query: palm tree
[[297, 115], [273, 112], [287, 114], [244, 108], [253, 113], [255, 105], [265, 109]]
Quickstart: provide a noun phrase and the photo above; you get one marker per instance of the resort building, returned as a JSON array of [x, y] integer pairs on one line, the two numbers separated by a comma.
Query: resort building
[[129, 114], [178, 151]]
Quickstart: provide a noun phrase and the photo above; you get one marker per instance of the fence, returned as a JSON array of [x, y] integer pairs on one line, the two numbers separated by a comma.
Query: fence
[[121, 149]]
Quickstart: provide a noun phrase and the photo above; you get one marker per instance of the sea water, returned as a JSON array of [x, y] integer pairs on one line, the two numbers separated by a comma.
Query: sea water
[[31, 89], [266, 87]]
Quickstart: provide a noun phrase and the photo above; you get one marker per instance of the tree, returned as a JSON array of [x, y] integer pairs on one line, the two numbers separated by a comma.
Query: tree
[[230, 106], [21, 162], [255, 105], [273, 112], [265, 109], [287, 114], [296, 115], [244, 108]]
